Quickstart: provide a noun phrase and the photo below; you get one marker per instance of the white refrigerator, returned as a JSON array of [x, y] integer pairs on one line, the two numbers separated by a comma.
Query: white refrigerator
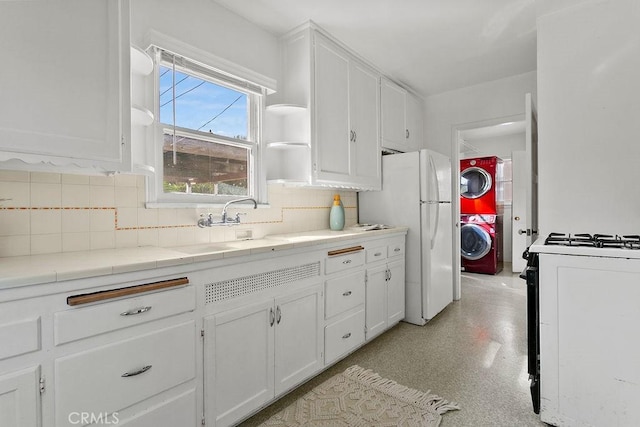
[[416, 192]]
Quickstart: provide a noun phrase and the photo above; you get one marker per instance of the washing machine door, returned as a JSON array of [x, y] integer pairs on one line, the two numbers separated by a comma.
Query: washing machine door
[[474, 182], [475, 242]]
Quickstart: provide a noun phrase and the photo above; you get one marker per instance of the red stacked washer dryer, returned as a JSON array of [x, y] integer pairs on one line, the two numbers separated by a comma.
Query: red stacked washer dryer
[[481, 215]]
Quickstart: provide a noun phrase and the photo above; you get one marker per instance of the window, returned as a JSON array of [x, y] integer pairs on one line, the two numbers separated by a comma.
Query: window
[[505, 182], [209, 124]]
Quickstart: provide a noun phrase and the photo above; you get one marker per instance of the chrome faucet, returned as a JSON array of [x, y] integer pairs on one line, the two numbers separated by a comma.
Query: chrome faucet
[[207, 221]]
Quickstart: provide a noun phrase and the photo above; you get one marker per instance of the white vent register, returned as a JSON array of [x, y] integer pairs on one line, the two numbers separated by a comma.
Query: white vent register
[[227, 289]]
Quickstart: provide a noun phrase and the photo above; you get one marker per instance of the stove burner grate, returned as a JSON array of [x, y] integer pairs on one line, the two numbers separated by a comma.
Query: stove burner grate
[[595, 240]]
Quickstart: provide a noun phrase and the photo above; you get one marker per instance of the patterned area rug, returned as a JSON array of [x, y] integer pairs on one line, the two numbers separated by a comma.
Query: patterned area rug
[[359, 397]]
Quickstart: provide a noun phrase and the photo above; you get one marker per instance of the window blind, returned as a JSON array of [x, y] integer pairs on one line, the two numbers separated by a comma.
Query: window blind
[[208, 72]]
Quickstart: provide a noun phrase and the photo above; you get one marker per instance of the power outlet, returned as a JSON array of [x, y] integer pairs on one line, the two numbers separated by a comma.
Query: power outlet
[[246, 234]]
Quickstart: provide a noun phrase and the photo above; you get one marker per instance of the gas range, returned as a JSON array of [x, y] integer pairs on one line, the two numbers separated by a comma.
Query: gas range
[[594, 240], [600, 245]]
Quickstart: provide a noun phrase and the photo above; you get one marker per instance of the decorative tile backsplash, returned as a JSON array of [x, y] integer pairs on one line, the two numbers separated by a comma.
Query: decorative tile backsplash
[[51, 212]]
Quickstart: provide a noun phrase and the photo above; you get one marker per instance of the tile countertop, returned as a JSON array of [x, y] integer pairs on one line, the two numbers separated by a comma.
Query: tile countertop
[[46, 268]]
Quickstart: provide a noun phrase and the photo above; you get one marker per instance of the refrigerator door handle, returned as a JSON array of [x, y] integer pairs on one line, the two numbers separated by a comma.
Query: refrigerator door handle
[[436, 184]]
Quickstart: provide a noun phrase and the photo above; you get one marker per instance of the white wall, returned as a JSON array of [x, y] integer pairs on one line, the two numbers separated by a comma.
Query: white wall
[[207, 26], [500, 146], [488, 101], [589, 118]]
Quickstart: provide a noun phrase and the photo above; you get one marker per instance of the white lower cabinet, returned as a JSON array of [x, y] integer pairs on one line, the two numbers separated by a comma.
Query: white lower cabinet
[[344, 310], [155, 349], [344, 335], [20, 398], [385, 291], [258, 351], [113, 377]]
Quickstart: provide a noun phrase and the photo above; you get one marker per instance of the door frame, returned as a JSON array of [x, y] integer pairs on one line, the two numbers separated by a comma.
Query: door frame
[[456, 140]]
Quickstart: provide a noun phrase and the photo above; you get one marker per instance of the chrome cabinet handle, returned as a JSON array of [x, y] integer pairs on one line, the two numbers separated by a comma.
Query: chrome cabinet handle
[[346, 261], [346, 294], [138, 372], [407, 133], [278, 315], [355, 136], [136, 311], [396, 250], [272, 317], [347, 335], [377, 254]]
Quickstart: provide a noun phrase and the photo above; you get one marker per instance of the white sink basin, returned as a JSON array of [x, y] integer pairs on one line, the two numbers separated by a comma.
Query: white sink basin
[[205, 248]]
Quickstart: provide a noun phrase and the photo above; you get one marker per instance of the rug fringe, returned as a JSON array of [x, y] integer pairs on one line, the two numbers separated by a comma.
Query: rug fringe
[[423, 399]]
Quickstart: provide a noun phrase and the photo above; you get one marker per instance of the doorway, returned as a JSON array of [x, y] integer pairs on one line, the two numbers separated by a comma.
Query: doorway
[[499, 137]]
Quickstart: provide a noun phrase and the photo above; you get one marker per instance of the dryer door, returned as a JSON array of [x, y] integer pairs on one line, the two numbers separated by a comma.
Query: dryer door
[[475, 242], [474, 182]]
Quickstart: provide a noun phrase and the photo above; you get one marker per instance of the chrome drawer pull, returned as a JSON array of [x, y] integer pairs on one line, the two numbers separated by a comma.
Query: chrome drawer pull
[[346, 261], [138, 372], [347, 335], [396, 250], [136, 311], [346, 294], [377, 254]]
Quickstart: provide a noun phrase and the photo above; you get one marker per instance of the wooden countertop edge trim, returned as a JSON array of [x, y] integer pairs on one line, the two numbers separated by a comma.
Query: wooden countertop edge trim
[[122, 292], [346, 250]]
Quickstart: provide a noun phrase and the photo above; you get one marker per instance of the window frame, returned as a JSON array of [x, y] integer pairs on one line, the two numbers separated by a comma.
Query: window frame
[[156, 197]]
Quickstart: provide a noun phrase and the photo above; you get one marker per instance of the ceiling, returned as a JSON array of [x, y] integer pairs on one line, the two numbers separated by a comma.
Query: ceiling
[[432, 46]]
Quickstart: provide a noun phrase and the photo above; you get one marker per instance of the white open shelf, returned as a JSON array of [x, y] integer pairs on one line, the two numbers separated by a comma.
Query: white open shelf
[[285, 109], [141, 62]]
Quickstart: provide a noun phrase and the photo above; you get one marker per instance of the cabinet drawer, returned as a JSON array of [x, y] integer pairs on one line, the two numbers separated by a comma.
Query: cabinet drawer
[[395, 248], [343, 336], [344, 261], [19, 337], [343, 293], [179, 411], [376, 254], [116, 376], [78, 323]]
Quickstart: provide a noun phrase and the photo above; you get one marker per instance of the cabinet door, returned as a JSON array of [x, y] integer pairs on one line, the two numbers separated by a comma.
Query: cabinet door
[[65, 85], [20, 399], [376, 306], [414, 123], [363, 115], [131, 371], [331, 111], [238, 362], [298, 337], [393, 116], [395, 292]]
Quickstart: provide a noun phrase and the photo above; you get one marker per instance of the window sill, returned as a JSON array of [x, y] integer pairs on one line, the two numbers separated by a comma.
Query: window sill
[[174, 205]]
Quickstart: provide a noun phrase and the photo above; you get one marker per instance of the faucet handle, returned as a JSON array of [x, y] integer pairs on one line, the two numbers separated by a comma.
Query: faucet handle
[[238, 216]]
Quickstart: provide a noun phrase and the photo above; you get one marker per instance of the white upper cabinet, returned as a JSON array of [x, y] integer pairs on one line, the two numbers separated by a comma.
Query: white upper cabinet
[[401, 118], [65, 85], [333, 135], [414, 122], [340, 96]]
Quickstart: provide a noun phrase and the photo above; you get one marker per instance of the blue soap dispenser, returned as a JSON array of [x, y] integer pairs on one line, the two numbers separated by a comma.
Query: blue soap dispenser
[[336, 215]]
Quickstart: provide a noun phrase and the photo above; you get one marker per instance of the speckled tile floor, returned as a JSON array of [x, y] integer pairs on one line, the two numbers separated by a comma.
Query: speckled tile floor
[[474, 353]]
